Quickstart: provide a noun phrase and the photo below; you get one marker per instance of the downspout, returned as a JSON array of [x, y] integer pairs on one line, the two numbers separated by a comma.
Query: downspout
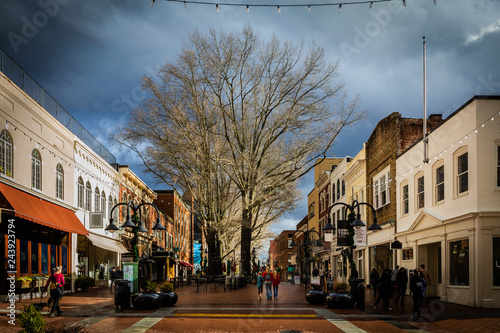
[[425, 140]]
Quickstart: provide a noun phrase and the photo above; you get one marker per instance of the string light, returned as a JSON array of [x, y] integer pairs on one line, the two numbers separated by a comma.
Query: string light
[[338, 4], [340, 7], [217, 8]]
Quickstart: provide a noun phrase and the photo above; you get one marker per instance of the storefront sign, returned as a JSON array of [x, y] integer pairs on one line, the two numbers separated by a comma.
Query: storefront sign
[[131, 273], [342, 233]]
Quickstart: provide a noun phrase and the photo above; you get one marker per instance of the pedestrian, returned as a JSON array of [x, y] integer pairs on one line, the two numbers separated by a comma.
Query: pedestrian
[[374, 277], [276, 282], [315, 271], [394, 275], [268, 282], [401, 283], [384, 288], [417, 287], [112, 276], [426, 276], [56, 282], [260, 284]]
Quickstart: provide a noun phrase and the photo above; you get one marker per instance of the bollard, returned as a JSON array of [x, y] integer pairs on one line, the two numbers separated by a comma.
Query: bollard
[[360, 303]]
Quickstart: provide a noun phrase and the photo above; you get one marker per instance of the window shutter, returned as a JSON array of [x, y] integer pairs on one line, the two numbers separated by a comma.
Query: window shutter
[[96, 220]]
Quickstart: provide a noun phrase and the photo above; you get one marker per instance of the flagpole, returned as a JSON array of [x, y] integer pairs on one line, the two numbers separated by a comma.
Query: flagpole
[[425, 140]]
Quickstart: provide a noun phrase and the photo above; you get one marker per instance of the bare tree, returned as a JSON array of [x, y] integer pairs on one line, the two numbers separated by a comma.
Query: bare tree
[[235, 118], [280, 107]]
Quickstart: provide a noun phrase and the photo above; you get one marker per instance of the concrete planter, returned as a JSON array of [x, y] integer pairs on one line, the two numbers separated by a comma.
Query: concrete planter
[[168, 298], [339, 300], [315, 297]]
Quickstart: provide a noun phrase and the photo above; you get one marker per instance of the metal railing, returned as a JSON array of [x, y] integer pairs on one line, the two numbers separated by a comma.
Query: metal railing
[[24, 81]]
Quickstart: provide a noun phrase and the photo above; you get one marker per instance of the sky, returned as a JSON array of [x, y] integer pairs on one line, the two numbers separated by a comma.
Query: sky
[[91, 55]]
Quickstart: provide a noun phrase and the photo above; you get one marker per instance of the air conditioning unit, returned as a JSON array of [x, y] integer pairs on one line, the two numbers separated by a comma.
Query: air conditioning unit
[[96, 220]]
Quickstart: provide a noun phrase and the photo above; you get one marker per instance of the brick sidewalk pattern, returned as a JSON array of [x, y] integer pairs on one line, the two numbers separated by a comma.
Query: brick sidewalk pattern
[[241, 311]]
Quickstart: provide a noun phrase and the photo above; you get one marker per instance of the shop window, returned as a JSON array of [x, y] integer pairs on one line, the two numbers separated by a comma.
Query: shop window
[[459, 263], [64, 263], [34, 258], [23, 257], [496, 261], [36, 170], [6, 154], [80, 192], [381, 192], [53, 256], [59, 182], [45, 259]]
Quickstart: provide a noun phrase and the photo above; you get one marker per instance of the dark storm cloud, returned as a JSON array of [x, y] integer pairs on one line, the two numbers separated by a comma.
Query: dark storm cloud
[[91, 55]]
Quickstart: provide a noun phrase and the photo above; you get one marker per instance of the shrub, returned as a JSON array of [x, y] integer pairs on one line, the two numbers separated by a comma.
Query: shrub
[[149, 286], [342, 286], [31, 320], [84, 282], [166, 287]]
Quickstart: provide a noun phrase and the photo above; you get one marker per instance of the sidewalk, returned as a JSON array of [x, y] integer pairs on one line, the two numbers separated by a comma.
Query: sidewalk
[[196, 310]]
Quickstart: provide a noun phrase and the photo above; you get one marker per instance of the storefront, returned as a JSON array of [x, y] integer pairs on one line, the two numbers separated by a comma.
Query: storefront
[[41, 231], [381, 257]]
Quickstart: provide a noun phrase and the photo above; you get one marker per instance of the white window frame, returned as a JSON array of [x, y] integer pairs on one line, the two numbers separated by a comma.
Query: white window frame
[[80, 194], [458, 175], [6, 157], [419, 192], [88, 196], [59, 182], [405, 199], [381, 189], [437, 184], [36, 170], [97, 199]]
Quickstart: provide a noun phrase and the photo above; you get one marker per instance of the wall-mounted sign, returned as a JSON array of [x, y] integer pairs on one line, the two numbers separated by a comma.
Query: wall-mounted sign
[[408, 254], [360, 236], [396, 245]]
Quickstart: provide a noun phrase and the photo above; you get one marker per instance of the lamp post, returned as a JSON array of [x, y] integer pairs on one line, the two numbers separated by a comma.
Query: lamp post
[[353, 221], [306, 246], [137, 226]]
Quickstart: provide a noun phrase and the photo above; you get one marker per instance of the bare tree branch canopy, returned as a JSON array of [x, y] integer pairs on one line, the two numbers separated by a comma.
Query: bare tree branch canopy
[[235, 118]]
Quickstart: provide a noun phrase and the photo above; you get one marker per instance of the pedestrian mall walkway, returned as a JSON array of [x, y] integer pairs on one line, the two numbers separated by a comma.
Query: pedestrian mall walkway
[[210, 310]]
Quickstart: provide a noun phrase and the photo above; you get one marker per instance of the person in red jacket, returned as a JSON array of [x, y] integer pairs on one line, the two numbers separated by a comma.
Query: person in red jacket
[[56, 282], [276, 282]]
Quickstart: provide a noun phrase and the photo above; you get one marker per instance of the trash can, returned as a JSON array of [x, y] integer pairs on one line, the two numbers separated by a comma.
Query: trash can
[[122, 294]]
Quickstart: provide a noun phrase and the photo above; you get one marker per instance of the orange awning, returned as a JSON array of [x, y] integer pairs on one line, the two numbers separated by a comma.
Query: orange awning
[[185, 263], [42, 211]]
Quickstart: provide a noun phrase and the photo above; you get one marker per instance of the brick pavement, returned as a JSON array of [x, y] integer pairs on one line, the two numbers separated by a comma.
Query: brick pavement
[[241, 311]]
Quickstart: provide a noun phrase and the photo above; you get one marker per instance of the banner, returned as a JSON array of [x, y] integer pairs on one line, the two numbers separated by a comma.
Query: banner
[[342, 233], [131, 273], [360, 236]]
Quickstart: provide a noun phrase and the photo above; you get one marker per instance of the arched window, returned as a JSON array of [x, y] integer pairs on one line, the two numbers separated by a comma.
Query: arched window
[[36, 170], [6, 154], [103, 203], [97, 199], [88, 196], [110, 206], [80, 192], [59, 182]]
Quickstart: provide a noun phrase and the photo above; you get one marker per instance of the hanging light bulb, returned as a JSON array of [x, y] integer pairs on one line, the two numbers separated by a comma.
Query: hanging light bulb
[[279, 10], [404, 3], [435, 1], [371, 5], [340, 7], [185, 4], [217, 8], [152, 3], [248, 8], [309, 8]]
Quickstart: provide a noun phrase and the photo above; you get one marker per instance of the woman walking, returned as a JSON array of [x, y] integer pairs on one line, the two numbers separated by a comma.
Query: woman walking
[[260, 284], [56, 282], [385, 289], [417, 287], [276, 282]]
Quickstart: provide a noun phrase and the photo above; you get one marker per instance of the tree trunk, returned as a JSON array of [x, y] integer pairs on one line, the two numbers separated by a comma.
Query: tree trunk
[[214, 259], [246, 242]]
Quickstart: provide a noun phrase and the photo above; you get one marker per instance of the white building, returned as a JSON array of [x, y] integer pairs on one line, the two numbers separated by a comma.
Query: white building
[[448, 210]]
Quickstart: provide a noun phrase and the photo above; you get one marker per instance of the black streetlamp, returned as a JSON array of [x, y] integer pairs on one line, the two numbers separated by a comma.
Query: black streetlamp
[[306, 246], [128, 222]]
